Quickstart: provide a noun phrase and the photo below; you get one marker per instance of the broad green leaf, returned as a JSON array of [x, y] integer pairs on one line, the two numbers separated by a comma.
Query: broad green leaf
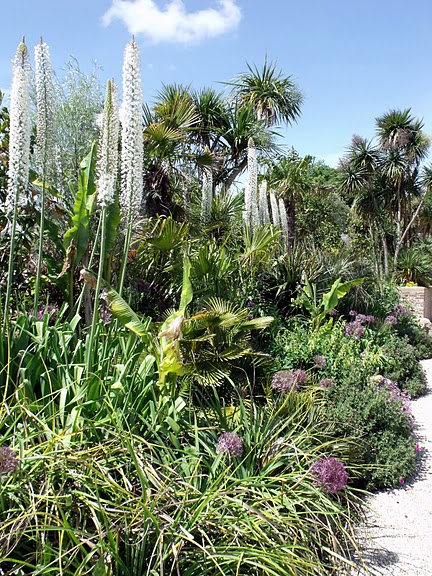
[[186, 293], [336, 292], [126, 316], [78, 234], [258, 323]]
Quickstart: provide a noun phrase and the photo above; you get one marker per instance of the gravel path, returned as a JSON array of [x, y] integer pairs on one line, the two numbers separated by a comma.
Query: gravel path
[[397, 537]]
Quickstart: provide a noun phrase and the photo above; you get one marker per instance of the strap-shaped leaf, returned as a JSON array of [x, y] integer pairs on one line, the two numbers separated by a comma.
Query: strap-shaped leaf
[[126, 316]]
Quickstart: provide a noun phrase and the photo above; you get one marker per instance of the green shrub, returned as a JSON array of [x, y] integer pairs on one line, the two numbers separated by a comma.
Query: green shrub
[[403, 366], [357, 402], [361, 408]]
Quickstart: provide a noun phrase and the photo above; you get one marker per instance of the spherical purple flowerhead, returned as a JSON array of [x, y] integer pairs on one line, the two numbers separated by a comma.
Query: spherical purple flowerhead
[[300, 376], [320, 361], [287, 380], [231, 443], [326, 383], [355, 329], [8, 460], [392, 320], [329, 474]]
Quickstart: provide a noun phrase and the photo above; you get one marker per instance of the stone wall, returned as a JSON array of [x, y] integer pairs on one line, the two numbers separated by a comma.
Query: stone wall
[[419, 298]]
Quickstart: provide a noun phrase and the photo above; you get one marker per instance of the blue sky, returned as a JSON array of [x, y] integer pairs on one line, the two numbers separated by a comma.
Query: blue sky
[[353, 60]]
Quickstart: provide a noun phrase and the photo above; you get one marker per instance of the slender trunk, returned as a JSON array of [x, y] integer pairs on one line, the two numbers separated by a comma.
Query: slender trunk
[[376, 257], [235, 172], [385, 253], [403, 235]]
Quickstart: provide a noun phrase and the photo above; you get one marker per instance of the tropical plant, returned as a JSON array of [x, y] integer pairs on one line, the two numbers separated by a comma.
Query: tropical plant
[[274, 97], [388, 183]]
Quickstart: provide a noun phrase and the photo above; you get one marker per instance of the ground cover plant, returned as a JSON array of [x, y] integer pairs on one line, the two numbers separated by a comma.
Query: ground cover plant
[[188, 384]]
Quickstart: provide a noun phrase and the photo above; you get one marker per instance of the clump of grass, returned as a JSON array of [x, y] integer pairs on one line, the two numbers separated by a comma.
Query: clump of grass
[[139, 487]]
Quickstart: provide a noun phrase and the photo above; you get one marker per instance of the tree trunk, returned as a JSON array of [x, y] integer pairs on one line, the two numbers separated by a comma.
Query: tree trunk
[[400, 240]]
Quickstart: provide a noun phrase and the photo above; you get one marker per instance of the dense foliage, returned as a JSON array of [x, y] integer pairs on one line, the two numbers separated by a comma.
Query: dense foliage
[[197, 379]]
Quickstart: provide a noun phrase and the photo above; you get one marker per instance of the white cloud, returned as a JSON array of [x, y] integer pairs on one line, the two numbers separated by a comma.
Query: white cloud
[[174, 23]]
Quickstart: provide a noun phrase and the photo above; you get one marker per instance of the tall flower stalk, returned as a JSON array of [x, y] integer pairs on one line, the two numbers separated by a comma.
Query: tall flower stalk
[[251, 190], [132, 147], [283, 221], [19, 155], [207, 195], [274, 210], [264, 216], [106, 171], [44, 140]]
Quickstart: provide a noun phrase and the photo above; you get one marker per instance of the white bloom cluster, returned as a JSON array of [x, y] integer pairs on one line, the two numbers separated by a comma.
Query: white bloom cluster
[[44, 108], [274, 210], [251, 194], [207, 195], [19, 134], [283, 220], [132, 134], [108, 148], [264, 216]]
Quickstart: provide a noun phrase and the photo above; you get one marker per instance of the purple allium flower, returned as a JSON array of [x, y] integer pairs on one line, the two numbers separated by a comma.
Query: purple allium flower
[[330, 474], [399, 310], [355, 329], [8, 460], [320, 361], [231, 443], [352, 313], [391, 319], [300, 376], [51, 310], [370, 319], [284, 381], [250, 304], [288, 381], [326, 383]]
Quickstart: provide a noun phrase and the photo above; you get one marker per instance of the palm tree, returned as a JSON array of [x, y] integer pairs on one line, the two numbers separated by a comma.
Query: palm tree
[[406, 145], [361, 180], [290, 177], [274, 97], [386, 180], [168, 126]]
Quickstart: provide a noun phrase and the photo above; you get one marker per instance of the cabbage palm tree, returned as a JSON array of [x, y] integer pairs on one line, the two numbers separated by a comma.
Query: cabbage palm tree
[[274, 97], [405, 144], [387, 180]]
